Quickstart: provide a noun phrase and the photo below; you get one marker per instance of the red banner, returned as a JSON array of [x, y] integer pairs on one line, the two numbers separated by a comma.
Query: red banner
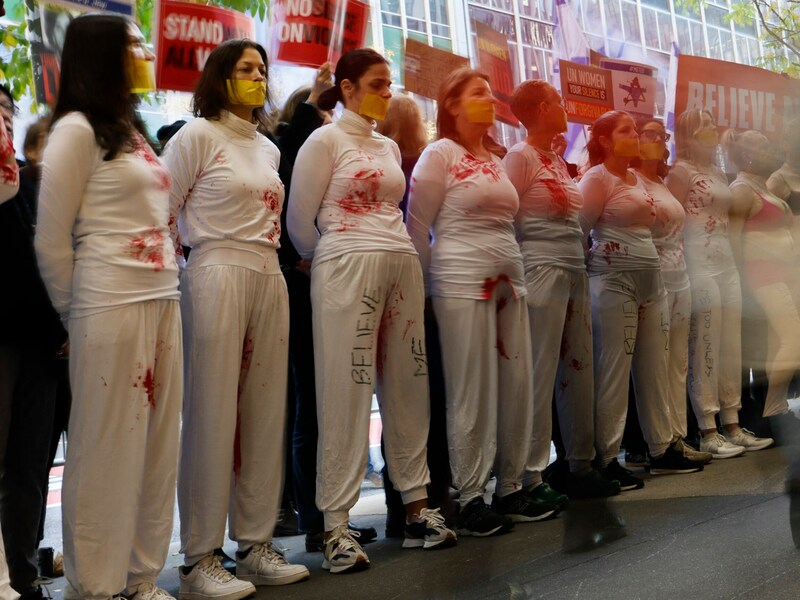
[[738, 96], [186, 35], [495, 60], [311, 32], [586, 90]]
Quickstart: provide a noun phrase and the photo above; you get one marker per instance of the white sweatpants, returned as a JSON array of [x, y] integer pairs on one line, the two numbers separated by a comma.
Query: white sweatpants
[[715, 348], [680, 311], [560, 317], [630, 322], [783, 342], [235, 328], [369, 335], [119, 482], [486, 353]]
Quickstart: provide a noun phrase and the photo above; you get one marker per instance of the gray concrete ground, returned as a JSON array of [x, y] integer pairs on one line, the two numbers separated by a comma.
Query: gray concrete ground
[[722, 533]]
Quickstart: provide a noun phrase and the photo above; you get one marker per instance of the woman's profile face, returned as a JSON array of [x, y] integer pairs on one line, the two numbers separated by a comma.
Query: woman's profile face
[[136, 44], [377, 79]]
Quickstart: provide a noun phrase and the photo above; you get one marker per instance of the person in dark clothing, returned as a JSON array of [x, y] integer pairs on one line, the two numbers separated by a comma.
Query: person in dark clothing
[[290, 134], [31, 339]]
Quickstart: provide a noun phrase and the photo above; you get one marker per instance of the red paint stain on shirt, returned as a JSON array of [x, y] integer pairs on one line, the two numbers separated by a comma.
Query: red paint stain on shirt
[[149, 385], [362, 192], [490, 283], [271, 201], [501, 303], [469, 167], [145, 152], [149, 248], [609, 249]]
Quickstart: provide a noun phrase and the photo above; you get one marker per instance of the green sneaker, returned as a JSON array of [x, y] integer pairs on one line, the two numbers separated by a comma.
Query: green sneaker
[[545, 494]]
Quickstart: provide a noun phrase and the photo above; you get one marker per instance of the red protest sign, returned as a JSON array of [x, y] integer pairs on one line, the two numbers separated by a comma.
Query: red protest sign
[[737, 96], [311, 32], [586, 91], [187, 33], [494, 59]]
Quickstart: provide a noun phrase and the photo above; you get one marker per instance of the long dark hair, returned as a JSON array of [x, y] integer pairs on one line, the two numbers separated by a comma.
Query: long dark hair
[[211, 92], [351, 66], [602, 127], [94, 81], [451, 89]]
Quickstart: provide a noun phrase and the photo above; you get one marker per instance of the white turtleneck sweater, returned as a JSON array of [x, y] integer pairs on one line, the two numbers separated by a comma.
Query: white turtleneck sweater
[[348, 178], [226, 190], [102, 239]]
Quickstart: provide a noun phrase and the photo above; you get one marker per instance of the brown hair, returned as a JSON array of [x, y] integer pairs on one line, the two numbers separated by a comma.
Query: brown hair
[[350, 66], [526, 98], [297, 97], [451, 89], [602, 127], [35, 132], [211, 94], [662, 169], [403, 124], [686, 126]]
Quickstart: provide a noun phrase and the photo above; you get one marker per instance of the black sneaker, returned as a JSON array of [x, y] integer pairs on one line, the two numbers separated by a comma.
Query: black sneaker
[[591, 484], [673, 461], [521, 508], [32, 594], [636, 459], [627, 480], [479, 520], [287, 524], [315, 540], [556, 475]]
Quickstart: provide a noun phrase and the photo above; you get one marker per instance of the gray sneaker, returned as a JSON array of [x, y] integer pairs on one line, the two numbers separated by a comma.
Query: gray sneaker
[[748, 440]]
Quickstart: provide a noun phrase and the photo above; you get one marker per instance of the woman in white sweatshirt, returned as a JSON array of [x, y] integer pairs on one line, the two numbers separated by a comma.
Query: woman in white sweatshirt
[[558, 296], [226, 204], [630, 315], [102, 243], [367, 299], [461, 219]]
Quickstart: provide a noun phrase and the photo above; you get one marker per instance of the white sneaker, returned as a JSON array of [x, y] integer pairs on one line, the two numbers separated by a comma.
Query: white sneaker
[[209, 580], [746, 438], [149, 591], [719, 447], [430, 532], [343, 553], [266, 565]]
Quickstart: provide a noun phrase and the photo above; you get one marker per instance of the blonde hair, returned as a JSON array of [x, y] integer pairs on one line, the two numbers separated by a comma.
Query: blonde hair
[[403, 124], [738, 145], [686, 126]]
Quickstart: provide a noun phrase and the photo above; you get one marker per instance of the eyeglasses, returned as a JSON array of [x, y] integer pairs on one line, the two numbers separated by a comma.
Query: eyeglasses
[[655, 135]]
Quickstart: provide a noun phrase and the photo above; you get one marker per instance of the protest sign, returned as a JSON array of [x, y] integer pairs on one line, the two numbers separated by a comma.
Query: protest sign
[[633, 85], [586, 91], [311, 32], [427, 67], [186, 34], [495, 60]]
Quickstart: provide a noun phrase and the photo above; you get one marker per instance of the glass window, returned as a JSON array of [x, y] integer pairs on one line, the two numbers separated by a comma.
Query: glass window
[[631, 21], [393, 47], [537, 34], [665, 31], [506, 5], [698, 43], [714, 44], [684, 36], [726, 44], [716, 16], [440, 30], [744, 50], [438, 9], [662, 4], [391, 19], [443, 43], [497, 21], [614, 20], [650, 24], [755, 50]]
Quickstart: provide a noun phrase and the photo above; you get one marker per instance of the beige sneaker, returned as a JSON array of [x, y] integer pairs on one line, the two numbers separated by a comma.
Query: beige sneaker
[[747, 439], [149, 591], [266, 565], [692, 454], [209, 580]]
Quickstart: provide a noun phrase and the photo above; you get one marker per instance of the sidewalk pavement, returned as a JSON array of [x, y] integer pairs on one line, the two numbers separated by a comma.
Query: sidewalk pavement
[[721, 533]]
